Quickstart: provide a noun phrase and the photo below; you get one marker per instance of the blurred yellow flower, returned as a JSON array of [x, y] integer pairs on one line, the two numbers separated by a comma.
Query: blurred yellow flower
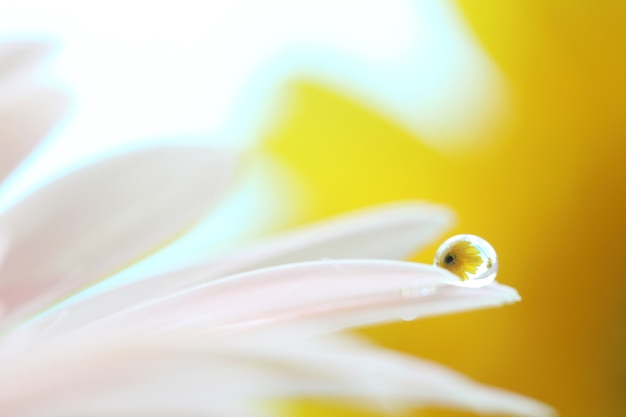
[[553, 183]]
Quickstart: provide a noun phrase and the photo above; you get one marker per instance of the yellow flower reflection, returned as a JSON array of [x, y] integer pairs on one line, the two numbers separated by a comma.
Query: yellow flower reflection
[[462, 259]]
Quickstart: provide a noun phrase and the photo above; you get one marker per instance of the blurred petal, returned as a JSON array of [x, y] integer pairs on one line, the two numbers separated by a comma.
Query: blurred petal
[[187, 374], [27, 111], [391, 231], [25, 118], [136, 376], [386, 231], [98, 219], [327, 295], [19, 57], [398, 381]]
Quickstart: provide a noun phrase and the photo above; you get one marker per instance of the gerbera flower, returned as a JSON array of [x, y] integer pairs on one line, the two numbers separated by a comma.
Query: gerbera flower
[[213, 338]]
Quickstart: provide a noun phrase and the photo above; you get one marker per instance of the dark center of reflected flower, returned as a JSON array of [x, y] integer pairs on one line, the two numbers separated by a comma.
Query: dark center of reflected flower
[[449, 259]]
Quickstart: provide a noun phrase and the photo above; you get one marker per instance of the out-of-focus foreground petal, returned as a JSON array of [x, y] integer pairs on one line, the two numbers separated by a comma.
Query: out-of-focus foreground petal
[[27, 111], [17, 58], [92, 222], [180, 373], [388, 231]]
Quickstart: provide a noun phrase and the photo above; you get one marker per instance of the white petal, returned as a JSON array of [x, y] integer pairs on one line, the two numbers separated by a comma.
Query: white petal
[[185, 373], [92, 222], [27, 111], [387, 231], [329, 295], [24, 121], [398, 381], [391, 231], [18, 59], [135, 376]]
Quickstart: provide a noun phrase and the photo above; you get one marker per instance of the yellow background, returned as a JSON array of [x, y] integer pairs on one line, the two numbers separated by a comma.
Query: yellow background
[[550, 195]]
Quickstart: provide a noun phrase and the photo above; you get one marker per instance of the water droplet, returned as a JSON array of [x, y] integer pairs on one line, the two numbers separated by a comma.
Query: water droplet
[[417, 292], [410, 313], [469, 257]]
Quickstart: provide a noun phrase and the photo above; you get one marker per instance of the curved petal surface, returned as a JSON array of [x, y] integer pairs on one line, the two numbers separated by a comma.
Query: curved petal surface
[[115, 375], [391, 231], [327, 295], [27, 110], [88, 224], [386, 231], [25, 118], [19, 57]]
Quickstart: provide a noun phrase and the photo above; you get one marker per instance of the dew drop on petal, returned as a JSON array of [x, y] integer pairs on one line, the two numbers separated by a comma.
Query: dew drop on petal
[[417, 292], [409, 312], [408, 315], [469, 257]]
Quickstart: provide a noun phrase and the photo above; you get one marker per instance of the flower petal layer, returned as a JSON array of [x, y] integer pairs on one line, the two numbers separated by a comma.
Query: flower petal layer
[[390, 231], [327, 295], [182, 373], [24, 121], [27, 111], [387, 231], [18, 58], [94, 221]]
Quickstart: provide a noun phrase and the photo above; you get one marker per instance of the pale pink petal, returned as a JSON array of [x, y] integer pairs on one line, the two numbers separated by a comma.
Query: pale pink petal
[[27, 111], [24, 121], [4, 248], [397, 381], [329, 295], [96, 220], [387, 379], [187, 374], [387, 231], [115, 377], [17, 58], [391, 231]]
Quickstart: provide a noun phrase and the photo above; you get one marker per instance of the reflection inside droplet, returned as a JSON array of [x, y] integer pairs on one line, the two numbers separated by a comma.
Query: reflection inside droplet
[[469, 257]]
